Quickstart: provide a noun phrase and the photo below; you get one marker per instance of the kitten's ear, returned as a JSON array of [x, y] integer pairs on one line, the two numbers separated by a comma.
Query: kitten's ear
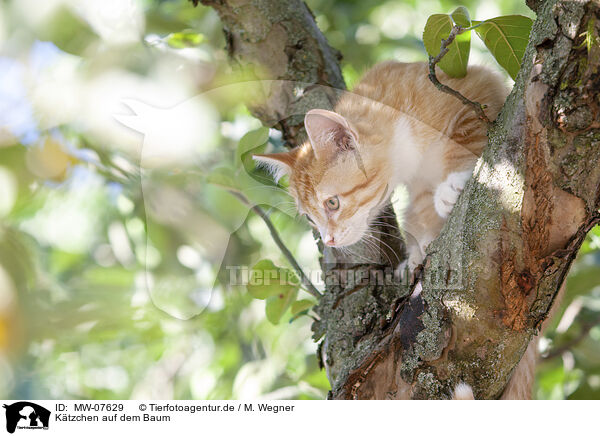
[[278, 164], [328, 132]]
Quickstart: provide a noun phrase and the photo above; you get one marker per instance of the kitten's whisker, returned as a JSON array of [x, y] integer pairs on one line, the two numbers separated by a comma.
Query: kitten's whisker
[[384, 243], [386, 216], [379, 251], [377, 223], [390, 248], [376, 252], [347, 250], [386, 234], [379, 218], [384, 226], [371, 248]]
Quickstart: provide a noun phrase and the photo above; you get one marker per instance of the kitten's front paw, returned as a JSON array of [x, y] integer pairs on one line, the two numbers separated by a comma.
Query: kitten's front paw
[[447, 192], [404, 271]]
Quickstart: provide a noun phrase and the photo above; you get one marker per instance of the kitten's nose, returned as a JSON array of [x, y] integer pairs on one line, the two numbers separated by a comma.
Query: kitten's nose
[[329, 240]]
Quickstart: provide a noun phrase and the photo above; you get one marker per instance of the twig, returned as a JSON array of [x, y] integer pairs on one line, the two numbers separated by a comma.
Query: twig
[[477, 107], [310, 288], [585, 329]]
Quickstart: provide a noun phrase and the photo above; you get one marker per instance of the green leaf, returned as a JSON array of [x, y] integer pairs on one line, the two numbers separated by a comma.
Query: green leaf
[[184, 39], [438, 27], [256, 192], [17, 256], [278, 304], [298, 315], [506, 37], [223, 177], [251, 143], [68, 31], [279, 286], [229, 212], [268, 280], [301, 306], [461, 17], [253, 139]]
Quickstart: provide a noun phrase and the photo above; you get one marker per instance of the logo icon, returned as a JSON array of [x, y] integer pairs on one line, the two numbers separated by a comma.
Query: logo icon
[[26, 415]]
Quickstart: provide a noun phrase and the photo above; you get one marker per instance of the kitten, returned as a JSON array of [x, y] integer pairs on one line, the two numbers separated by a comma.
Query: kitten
[[395, 128]]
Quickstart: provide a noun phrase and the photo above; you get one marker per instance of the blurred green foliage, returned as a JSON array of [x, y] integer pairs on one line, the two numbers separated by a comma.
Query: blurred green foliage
[[116, 263]]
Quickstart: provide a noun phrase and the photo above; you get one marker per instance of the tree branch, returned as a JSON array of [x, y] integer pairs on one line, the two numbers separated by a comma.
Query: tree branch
[[279, 44], [567, 346], [433, 61], [310, 288]]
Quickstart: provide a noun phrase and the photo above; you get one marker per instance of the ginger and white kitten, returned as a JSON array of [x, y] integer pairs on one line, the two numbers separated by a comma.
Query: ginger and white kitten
[[395, 128]]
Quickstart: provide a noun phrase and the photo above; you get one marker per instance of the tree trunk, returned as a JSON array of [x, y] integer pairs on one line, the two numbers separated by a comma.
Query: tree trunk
[[490, 278], [279, 43]]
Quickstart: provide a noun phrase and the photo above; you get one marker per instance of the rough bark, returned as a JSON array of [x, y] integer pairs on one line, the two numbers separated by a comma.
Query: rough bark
[[491, 277], [279, 43]]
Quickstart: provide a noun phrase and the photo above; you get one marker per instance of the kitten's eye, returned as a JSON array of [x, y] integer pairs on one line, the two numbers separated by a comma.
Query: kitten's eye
[[332, 203], [309, 219]]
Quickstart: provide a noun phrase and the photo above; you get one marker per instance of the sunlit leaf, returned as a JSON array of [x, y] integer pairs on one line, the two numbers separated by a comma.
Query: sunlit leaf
[[461, 17], [49, 160], [278, 304], [278, 286], [301, 306], [223, 177], [227, 210], [184, 39], [251, 143], [68, 31], [17, 256], [506, 37], [267, 280], [438, 27], [108, 277]]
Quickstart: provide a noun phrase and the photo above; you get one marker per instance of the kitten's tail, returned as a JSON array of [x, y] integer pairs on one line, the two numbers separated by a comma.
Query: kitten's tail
[[463, 391]]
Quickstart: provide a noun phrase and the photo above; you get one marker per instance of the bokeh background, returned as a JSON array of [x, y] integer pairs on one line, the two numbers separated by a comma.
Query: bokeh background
[[115, 247]]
